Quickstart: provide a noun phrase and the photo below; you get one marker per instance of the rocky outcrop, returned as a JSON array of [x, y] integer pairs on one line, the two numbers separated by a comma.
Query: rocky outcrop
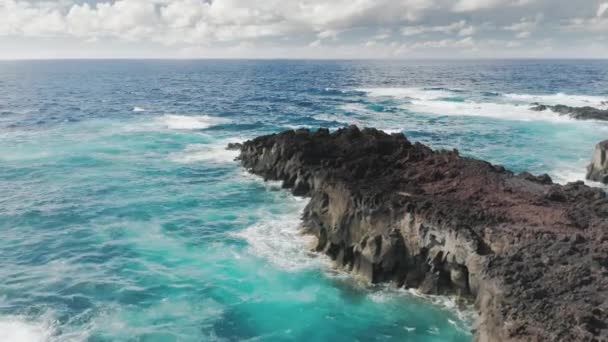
[[580, 113], [234, 146], [598, 169], [533, 255]]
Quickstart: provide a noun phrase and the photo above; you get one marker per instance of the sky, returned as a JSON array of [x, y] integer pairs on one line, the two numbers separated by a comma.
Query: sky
[[341, 29]]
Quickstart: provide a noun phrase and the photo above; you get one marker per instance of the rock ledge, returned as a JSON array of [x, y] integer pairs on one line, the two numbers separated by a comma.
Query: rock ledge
[[532, 254]]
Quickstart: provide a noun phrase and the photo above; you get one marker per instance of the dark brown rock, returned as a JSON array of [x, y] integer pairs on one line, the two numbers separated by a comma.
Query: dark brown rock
[[532, 254], [580, 113]]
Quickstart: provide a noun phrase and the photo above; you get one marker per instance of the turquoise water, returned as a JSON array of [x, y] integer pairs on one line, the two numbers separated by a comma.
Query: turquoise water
[[124, 219]]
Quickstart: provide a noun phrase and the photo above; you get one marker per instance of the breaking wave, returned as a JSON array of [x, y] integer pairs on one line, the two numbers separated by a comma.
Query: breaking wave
[[184, 122]]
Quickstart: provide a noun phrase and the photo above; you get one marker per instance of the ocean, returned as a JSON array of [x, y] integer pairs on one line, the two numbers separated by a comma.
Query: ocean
[[123, 217]]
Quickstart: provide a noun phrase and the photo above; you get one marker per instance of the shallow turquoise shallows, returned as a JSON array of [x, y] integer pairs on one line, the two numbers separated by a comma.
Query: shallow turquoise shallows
[[123, 217]]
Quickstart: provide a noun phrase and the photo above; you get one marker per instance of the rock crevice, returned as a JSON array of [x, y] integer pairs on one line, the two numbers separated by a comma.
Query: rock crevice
[[532, 254]]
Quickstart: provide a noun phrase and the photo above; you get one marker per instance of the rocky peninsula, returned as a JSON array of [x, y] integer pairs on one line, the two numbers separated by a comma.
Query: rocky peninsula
[[532, 254]]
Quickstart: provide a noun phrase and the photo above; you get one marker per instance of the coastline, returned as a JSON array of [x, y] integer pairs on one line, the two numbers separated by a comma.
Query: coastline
[[385, 209]]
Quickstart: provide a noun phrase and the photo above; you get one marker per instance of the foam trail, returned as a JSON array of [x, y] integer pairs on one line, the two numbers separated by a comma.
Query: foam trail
[[139, 109], [412, 93], [183, 122], [492, 110]]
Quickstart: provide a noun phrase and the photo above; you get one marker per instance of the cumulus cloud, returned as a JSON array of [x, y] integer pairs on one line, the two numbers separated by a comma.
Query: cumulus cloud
[[295, 25], [188, 21]]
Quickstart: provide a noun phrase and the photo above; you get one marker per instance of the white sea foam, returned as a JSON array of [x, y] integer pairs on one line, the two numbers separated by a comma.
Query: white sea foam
[[466, 314], [411, 93], [139, 109], [215, 152], [563, 99], [510, 106], [574, 172], [355, 108], [493, 110], [184, 122], [277, 239], [18, 329], [386, 124]]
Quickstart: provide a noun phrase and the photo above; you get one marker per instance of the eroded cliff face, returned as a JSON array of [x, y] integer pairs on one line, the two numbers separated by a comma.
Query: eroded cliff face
[[598, 169], [532, 254]]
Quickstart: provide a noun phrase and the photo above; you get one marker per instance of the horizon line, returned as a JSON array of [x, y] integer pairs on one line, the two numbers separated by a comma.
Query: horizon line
[[296, 59]]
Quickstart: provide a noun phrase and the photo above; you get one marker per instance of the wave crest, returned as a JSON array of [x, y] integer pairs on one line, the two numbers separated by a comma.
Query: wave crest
[[215, 152], [184, 122]]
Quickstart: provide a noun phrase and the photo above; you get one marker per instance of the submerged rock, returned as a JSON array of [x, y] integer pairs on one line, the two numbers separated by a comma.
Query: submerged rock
[[598, 169], [532, 254], [581, 113]]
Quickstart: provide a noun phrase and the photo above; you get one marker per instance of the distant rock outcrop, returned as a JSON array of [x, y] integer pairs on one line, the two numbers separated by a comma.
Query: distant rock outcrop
[[598, 169], [580, 113], [532, 254]]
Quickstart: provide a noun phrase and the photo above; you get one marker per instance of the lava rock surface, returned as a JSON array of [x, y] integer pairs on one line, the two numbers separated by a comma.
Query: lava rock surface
[[532, 254]]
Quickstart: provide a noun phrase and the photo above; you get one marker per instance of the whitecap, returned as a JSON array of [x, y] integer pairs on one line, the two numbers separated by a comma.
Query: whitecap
[[184, 122], [484, 109], [139, 109], [215, 152], [278, 240], [19, 329], [296, 127], [433, 330]]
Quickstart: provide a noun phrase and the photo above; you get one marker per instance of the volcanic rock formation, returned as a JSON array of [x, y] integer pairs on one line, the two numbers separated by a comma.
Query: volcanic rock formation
[[598, 169], [532, 254], [580, 113]]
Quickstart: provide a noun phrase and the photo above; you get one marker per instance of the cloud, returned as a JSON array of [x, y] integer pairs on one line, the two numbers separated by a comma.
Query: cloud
[[595, 24], [473, 5], [602, 9], [316, 43], [234, 26], [190, 21], [460, 27], [328, 34], [525, 26]]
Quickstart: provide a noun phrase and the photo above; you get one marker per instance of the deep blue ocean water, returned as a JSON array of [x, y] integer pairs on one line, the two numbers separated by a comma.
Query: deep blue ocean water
[[122, 217]]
